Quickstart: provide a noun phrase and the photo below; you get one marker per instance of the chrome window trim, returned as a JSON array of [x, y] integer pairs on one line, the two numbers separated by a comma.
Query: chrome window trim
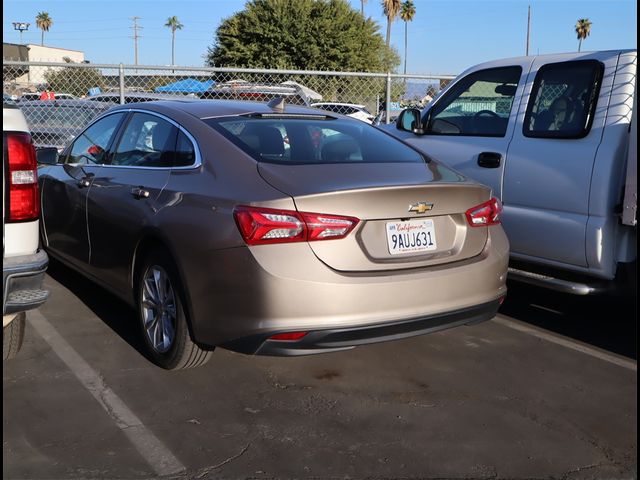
[[198, 161]]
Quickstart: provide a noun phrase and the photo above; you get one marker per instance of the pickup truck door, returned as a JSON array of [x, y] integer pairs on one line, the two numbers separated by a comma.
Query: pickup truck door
[[547, 180], [64, 190], [470, 125]]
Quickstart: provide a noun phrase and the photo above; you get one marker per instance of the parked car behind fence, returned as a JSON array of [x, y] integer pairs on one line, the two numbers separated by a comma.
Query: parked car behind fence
[[55, 123], [349, 109], [134, 97], [293, 93]]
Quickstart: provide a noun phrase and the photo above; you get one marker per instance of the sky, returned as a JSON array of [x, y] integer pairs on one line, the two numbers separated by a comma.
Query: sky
[[445, 37]]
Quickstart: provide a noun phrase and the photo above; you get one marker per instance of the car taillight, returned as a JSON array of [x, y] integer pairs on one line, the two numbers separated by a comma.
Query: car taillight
[[260, 226], [485, 214], [24, 201]]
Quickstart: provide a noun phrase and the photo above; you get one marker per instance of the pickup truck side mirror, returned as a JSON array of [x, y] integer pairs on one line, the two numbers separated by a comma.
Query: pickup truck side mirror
[[410, 120], [47, 156]]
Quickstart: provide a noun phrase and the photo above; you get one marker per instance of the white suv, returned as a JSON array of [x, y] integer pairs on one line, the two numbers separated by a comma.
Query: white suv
[[23, 262], [349, 109]]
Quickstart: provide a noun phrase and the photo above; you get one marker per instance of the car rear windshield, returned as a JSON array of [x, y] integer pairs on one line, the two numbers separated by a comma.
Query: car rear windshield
[[312, 140]]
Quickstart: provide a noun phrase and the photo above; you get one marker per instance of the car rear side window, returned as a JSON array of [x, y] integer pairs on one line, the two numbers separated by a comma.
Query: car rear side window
[[147, 141], [563, 100], [310, 140], [90, 146], [185, 153]]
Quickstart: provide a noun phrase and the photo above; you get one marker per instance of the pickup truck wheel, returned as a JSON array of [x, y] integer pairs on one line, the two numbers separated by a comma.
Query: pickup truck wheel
[[163, 320], [12, 336]]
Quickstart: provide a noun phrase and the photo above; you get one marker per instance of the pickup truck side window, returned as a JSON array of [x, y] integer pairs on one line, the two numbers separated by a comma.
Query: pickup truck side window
[[478, 105], [563, 100]]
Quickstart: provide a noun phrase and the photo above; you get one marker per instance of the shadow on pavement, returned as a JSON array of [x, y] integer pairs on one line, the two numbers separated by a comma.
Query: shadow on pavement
[[606, 322], [115, 313]]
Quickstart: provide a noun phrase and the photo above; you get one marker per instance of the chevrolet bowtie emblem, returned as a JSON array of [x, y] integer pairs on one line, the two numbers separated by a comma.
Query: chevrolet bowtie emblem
[[420, 207]]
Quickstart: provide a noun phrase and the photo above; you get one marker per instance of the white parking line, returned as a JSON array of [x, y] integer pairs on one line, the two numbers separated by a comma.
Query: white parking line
[[148, 445], [565, 342]]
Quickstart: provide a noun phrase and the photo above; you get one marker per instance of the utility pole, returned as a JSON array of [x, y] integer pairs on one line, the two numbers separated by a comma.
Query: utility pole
[[528, 28], [135, 37]]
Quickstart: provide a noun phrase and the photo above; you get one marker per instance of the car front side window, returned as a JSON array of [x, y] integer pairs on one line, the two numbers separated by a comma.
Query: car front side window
[[90, 147]]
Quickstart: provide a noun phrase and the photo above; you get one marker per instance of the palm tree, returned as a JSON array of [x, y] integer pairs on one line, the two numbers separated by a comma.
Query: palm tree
[[407, 12], [391, 9], [43, 22], [174, 24], [583, 29]]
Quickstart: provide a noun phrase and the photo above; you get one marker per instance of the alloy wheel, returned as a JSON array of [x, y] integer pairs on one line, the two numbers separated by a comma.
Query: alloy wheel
[[158, 309]]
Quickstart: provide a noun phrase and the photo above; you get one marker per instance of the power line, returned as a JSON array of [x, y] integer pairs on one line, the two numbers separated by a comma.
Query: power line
[[135, 37]]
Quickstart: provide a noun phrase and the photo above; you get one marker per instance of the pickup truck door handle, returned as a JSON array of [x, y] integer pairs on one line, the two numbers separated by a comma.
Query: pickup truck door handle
[[139, 192], [489, 159]]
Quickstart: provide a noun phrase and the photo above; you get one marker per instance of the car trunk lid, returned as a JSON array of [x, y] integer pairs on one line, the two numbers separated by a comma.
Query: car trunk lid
[[411, 215]]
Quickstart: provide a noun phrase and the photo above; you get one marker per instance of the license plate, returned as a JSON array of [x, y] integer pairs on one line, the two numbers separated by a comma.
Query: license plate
[[410, 237]]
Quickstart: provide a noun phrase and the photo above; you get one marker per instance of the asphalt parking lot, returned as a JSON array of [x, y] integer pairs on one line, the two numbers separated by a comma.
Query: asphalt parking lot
[[548, 389]]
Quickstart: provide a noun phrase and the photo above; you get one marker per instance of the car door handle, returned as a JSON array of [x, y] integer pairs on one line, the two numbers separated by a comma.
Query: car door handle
[[489, 159], [85, 182], [139, 192]]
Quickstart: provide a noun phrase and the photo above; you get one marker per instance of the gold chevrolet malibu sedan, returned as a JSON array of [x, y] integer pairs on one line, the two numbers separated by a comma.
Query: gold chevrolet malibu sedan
[[269, 229]]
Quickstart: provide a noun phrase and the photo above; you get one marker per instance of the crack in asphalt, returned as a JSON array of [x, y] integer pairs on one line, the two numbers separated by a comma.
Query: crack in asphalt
[[206, 471]]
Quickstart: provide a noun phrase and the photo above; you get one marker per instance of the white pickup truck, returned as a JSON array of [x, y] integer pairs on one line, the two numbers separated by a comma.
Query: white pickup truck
[[555, 137], [23, 262]]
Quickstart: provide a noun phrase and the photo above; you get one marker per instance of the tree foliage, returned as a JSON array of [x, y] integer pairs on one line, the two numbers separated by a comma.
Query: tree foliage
[[407, 12], [391, 9], [74, 80], [174, 24], [44, 23], [583, 29], [301, 35]]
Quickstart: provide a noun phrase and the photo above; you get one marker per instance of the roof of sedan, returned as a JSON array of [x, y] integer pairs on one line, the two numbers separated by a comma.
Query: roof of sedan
[[218, 108]]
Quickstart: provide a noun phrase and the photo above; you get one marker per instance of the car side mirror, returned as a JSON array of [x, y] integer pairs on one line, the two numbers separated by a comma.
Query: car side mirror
[[47, 156], [410, 120]]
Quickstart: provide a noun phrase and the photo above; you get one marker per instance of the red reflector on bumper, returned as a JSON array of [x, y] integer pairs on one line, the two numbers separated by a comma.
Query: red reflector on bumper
[[288, 336]]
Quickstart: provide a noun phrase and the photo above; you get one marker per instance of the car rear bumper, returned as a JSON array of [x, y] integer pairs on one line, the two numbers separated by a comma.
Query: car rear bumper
[[22, 279], [328, 340], [238, 293]]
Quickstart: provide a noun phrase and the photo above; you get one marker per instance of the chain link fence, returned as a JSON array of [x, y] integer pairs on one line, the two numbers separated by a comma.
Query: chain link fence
[[83, 91]]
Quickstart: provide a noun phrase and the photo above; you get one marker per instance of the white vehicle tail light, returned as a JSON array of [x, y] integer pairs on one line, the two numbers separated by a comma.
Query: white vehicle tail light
[[485, 214], [24, 200], [260, 226]]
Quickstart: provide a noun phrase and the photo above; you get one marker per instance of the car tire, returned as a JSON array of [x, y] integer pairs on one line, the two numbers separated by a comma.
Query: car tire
[[12, 336], [162, 316]]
